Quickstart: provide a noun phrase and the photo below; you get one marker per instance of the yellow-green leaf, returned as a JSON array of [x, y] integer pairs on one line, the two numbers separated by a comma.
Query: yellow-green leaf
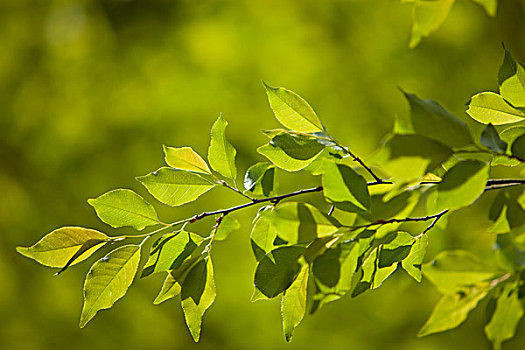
[[185, 158], [175, 187], [123, 207], [453, 309], [428, 16], [292, 111], [462, 185], [57, 248], [511, 78], [108, 280], [197, 294], [490, 6], [221, 154], [293, 303], [170, 289], [488, 107]]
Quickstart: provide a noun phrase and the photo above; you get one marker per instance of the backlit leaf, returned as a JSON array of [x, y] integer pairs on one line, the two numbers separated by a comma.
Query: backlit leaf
[[453, 309], [292, 111], [431, 120], [277, 270], [228, 224], [108, 280], [197, 295], [452, 271], [221, 154], [462, 185], [428, 16], [293, 303], [506, 316], [170, 289], [185, 158], [511, 78], [488, 107], [123, 207], [291, 152], [490, 6], [169, 252], [56, 248], [413, 262], [260, 179], [262, 236], [300, 222], [345, 188], [175, 187]]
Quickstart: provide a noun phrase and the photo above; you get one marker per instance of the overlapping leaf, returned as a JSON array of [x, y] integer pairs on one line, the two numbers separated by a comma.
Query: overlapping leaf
[[260, 179], [58, 247], [511, 79], [293, 303]]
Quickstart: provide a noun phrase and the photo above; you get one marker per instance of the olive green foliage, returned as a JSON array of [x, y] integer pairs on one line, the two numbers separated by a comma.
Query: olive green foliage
[[296, 244]]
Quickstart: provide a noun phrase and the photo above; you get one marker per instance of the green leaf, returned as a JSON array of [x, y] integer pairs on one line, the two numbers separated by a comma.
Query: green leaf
[[292, 111], [122, 207], [491, 140], [452, 271], [185, 158], [490, 6], [197, 295], [509, 135], [262, 236], [175, 187], [508, 255], [108, 280], [228, 224], [301, 222], [431, 120], [170, 251], [408, 157], [170, 289], [277, 270], [488, 107], [453, 309], [518, 147], [397, 249], [221, 154], [413, 262], [511, 78], [293, 303], [507, 315], [462, 185], [58, 247], [333, 271], [260, 179], [427, 16], [345, 188], [291, 152]]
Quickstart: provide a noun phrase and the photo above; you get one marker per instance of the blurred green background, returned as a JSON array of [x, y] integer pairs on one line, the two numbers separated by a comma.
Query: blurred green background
[[90, 90]]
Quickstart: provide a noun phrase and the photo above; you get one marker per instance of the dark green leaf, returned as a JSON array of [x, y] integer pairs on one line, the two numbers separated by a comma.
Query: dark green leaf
[[431, 120], [491, 140], [396, 250], [518, 147], [277, 270], [260, 179]]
